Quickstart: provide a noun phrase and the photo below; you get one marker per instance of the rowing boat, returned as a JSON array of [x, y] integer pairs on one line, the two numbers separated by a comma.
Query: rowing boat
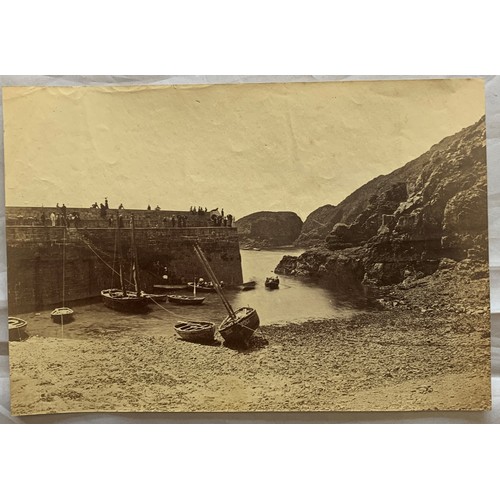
[[249, 285], [272, 283], [205, 287], [186, 300], [156, 297], [196, 331], [62, 315], [17, 329]]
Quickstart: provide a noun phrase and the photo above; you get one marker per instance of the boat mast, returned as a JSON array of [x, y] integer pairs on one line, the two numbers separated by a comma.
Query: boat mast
[[136, 260], [215, 281], [120, 256]]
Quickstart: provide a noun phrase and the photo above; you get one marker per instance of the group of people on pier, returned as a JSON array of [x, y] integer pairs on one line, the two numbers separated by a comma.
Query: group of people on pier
[[198, 211], [62, 217], [179, 220], [220, 220]]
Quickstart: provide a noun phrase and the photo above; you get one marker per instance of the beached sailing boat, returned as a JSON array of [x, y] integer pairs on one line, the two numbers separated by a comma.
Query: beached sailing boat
[[63, 314], [122, 299], [239, 326]]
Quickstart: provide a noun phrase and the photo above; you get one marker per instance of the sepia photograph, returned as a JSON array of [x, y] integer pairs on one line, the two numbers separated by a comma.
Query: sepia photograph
[[267, 247]]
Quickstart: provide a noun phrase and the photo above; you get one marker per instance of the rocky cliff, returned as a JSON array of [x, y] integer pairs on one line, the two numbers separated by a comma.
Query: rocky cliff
[[269, 229], [320, 223], [402, 226]]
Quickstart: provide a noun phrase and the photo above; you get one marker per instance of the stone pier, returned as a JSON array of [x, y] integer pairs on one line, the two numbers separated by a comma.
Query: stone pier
[[36, 253]]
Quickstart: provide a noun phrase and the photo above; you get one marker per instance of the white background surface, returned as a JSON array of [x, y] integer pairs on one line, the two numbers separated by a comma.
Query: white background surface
[[263, 36], [493, 155]]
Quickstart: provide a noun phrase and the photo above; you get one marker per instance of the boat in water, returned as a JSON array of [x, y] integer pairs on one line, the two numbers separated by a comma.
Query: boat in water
[[204, 286], [186, 300], [62, 315], [17, 329], [171, 288], [156, 297], [121, 299], [240, 328], [202, 332], [272, 283], [249, 285], [125, 301]]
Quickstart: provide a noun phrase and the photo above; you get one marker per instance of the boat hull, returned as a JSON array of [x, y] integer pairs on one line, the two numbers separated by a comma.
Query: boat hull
[[185, 300], [171, 288], [156, 297], [202, 332], [241, 329], [114, 299], [250, 285], [62, 315], [201, 288], [17, 329], [272, 284]]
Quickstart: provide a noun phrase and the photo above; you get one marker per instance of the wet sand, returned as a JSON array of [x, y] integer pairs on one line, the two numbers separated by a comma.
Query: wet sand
[[427, 348]]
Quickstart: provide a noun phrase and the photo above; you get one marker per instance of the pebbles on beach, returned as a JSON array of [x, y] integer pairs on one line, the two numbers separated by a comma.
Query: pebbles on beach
[[395, 358]]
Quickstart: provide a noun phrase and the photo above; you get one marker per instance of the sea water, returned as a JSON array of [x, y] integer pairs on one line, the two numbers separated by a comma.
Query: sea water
[[296, 300]]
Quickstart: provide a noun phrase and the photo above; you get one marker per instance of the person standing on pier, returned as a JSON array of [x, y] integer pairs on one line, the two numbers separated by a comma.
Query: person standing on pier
[[63, 215], [53, 219], [42, 219]]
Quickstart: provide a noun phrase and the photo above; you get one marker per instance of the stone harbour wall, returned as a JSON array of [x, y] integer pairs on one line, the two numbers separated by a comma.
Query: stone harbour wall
[[35, 256]]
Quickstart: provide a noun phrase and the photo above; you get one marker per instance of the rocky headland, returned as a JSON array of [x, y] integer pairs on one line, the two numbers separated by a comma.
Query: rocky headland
[[403, 226], [269, 229]]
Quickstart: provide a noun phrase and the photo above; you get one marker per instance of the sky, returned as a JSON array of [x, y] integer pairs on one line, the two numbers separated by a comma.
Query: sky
[[241, 147]]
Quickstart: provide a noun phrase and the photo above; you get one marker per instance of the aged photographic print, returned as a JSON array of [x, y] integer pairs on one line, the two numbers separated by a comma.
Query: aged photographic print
[[248, 247]]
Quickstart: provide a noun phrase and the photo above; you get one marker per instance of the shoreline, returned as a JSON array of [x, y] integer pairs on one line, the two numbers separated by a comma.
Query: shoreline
[[426, 348]]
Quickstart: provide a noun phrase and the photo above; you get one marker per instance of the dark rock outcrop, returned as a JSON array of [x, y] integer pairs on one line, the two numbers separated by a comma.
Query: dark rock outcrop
[[401, 226], [269, 229]]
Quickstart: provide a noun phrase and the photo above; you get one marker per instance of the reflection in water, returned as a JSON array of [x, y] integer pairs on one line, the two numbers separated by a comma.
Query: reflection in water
[[296, 300]]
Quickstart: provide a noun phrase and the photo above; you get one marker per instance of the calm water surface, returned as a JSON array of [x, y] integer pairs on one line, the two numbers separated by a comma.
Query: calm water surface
[[296, 300]]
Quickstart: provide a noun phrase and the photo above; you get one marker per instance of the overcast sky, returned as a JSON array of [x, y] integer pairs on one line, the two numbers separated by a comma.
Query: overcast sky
[[245, 148]]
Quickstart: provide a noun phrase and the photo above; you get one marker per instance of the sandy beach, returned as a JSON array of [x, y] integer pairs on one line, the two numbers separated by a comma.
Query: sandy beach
[[422, 350]]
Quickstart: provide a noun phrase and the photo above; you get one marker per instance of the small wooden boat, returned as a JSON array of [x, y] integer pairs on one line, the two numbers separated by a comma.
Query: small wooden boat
[[272, 283], [171, 288], [122, 299], [114, 298], [205, 287], [196, 331], [249, 285], [240, 328], [62, 315], [17, 329], [239, 325], [186, 300], [156, 297]]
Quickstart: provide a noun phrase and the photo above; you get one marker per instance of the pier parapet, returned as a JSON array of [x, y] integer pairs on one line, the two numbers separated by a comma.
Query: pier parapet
[[92, 217]]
